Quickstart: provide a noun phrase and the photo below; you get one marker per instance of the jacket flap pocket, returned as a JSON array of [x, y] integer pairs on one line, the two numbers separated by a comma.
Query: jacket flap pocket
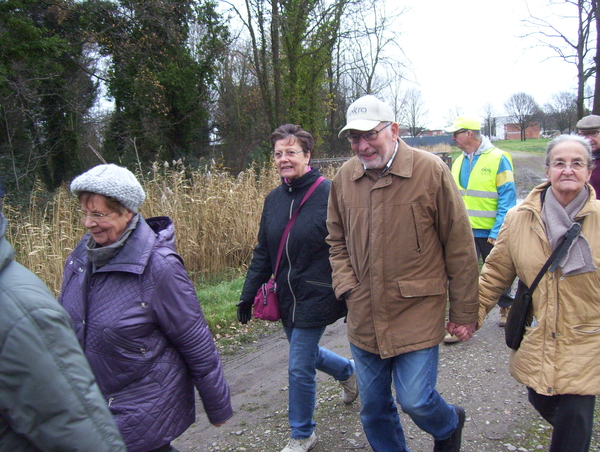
[[422, 287]]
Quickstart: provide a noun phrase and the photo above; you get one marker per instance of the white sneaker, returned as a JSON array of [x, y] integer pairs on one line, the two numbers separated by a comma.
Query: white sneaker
[[349, 389], [301, 445]]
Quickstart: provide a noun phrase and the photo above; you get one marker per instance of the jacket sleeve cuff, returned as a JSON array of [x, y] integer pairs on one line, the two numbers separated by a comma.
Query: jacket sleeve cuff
[[220, 416]]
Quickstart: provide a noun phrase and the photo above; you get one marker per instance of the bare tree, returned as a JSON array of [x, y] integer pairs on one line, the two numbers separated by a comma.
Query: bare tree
[[394, 94], [371, 43], [562, 111], [415, 113], [367, 60], [596, 12], [573, 46], [453, 113], [488, 112], [523, 110]]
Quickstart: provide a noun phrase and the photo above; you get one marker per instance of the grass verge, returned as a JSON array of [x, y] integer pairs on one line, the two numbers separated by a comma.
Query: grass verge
[[218, 301]]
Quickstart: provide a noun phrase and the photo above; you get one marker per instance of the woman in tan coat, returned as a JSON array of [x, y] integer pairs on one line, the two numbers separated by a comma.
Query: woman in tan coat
[[559, 359]]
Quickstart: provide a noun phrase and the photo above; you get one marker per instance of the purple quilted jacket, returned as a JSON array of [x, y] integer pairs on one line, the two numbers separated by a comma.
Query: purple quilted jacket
[[144, 334]]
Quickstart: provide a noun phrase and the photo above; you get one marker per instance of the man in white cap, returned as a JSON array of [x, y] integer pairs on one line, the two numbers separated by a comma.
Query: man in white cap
[[485, 178], [589, 128], [396, 229]]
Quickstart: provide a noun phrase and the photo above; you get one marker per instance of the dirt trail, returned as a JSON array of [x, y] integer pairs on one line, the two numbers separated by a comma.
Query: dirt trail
[[473, 374]]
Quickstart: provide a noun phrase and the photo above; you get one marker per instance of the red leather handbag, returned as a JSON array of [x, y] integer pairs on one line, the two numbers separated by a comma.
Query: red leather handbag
[[266, 303]]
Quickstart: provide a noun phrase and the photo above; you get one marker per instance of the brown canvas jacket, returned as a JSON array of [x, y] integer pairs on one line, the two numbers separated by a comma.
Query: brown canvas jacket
[[400, 244], [560, 354]]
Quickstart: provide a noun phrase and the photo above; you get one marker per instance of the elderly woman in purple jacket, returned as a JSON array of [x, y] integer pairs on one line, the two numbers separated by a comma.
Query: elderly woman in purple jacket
[[137, 317]]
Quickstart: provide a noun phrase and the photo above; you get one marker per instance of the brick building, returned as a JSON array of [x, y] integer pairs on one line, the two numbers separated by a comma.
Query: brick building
[[513, 132]]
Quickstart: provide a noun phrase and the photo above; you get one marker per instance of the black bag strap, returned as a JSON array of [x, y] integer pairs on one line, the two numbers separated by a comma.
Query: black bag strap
[[558, 253]]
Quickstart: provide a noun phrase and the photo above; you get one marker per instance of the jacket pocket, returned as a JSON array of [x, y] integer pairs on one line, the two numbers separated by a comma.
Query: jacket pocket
[[422, 287], [587, 329], [134, 347], [583, 339], [128, 399], [319, 283]]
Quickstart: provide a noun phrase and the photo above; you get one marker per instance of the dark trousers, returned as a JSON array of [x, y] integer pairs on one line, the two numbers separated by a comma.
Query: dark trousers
[[572, 417], [483, 248]]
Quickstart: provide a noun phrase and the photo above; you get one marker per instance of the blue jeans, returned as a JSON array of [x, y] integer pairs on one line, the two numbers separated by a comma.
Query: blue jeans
[[305, 358], [414, 376]]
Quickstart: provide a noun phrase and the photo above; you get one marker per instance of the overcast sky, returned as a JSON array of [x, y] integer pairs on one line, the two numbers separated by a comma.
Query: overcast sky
[[465, 53]]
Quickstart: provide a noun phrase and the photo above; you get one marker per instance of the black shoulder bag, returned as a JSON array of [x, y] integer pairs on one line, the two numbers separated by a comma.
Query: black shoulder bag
[[520, 314]]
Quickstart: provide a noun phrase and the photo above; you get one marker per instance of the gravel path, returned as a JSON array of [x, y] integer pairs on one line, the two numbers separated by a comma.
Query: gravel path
[[473, 374]]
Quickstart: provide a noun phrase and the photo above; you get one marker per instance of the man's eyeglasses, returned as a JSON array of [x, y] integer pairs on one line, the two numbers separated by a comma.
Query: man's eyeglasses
[[458, 132], [354, 138], [589, 133], [577, 165], [288, 154], [96, 217]]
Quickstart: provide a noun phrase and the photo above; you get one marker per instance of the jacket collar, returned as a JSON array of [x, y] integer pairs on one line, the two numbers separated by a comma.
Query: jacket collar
[[533, 201], [140, 245], [302, 182], [484, 147]]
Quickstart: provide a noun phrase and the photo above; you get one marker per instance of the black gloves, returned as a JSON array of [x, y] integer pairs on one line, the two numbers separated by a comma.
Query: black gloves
[[244, 311]]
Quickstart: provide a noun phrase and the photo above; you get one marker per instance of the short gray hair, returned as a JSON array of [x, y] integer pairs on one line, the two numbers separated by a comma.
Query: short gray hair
[[561, 139]]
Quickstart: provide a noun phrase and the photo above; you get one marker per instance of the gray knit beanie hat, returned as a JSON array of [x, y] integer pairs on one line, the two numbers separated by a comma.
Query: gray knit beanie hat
[[112, 181]]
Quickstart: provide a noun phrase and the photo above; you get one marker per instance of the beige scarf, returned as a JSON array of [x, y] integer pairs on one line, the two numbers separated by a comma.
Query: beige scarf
[[557, 220]]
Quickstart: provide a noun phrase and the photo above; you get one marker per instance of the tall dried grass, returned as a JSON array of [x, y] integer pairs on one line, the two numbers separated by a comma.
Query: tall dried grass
[[216, 218]]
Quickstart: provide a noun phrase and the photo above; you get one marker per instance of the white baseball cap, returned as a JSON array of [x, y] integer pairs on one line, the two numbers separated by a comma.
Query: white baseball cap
[[366, 113]]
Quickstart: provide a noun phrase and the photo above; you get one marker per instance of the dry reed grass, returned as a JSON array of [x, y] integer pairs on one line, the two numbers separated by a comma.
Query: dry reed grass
[[216, 218]]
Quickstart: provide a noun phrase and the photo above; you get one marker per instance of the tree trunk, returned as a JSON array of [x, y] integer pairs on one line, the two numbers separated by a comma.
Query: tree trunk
[[596, 105]]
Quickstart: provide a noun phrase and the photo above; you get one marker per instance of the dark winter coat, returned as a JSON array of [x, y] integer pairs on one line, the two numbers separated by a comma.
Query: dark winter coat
[[49, 400], [144, 334], [306, 298]]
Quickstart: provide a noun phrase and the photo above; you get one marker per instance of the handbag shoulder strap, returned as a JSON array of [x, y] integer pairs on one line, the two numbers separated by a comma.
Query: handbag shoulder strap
[[292, 219], [558, 252]]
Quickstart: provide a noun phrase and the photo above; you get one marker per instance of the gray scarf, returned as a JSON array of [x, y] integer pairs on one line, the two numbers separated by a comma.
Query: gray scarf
[[100, 255], [557, 220]]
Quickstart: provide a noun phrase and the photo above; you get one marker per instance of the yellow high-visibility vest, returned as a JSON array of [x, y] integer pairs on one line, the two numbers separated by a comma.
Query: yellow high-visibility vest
[[481, 196]]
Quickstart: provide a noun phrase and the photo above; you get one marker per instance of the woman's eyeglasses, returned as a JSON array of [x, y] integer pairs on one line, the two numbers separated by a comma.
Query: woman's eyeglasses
[[288, 154], [577, 165], [96, 217]]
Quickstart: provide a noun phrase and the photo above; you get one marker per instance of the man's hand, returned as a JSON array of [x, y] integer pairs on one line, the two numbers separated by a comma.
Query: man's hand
[[491, 240], [463, 332], [244, 311]]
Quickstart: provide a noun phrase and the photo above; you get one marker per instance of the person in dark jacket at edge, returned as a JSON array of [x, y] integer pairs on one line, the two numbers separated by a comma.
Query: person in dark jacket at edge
[[137, 317], [306, 299], [49, 400], [589, 128]]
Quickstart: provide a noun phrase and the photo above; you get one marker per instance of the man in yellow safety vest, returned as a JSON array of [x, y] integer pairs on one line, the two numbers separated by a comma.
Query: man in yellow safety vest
[[485, 178]]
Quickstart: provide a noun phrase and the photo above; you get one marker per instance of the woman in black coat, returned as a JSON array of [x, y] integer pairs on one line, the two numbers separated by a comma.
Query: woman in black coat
[[306, 300]]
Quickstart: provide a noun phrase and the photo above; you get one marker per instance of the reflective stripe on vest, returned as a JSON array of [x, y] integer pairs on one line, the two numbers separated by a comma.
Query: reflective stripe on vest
[[481, 196]]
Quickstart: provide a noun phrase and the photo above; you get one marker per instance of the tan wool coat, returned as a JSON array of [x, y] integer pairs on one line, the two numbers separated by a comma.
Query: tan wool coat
[[561, 355], [400, 244]]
